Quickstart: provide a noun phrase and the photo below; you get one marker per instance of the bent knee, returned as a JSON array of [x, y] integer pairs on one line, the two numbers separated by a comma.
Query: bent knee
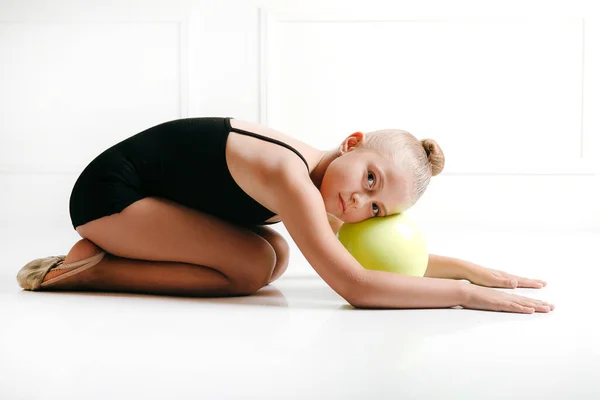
[[257, 269], [281, 247]]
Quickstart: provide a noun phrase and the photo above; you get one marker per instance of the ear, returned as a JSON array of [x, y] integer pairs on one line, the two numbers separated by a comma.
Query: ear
[[352, 141]]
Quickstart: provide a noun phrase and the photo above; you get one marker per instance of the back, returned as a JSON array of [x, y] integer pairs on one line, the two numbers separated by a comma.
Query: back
[[184, 160]]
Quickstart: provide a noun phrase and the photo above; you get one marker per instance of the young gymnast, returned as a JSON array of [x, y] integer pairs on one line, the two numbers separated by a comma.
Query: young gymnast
[[181, 209]]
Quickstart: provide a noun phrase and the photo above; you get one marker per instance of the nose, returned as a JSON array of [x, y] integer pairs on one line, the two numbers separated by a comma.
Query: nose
[[358, 200]]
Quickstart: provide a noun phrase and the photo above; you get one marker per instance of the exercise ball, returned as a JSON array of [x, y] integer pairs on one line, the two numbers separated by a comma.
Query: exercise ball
[[393, 244]]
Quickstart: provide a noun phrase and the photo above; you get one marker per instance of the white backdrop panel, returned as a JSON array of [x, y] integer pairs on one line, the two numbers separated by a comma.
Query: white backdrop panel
[[82, 86], [500, 95]]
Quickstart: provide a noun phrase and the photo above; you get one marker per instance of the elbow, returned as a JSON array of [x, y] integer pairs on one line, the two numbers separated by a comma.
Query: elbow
[[355, 292], [358, 302]]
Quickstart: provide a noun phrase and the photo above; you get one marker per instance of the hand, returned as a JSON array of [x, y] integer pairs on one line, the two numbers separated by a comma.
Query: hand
[[480, 298], [493, 278]]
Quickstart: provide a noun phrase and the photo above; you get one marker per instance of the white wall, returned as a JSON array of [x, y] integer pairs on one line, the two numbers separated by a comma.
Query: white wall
[[510, 90]]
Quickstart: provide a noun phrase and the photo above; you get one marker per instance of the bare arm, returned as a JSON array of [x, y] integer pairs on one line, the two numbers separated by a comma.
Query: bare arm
[[301, 208], [388, 290], [447, 268]]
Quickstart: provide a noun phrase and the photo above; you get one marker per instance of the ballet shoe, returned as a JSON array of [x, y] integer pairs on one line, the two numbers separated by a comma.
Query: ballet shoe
[[31, 276]]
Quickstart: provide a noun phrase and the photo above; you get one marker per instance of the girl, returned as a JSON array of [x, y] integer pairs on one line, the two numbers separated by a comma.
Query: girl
[[180, 209]]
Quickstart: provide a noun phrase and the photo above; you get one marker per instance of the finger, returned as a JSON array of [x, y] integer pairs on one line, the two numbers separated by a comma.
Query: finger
[[546, 304], [538, 307], [501, 283], [510, 283], [535, 303], [531, 283], [516, 307]]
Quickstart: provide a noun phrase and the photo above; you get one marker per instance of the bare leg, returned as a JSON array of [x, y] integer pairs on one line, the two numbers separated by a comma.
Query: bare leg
[[118, 274], [158, 246], [281, 247]]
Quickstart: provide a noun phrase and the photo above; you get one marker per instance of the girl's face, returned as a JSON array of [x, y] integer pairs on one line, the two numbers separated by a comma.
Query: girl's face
[[362, 184]]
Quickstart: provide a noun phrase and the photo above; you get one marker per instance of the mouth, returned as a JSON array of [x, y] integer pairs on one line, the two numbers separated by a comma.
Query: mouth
[[342, 204]]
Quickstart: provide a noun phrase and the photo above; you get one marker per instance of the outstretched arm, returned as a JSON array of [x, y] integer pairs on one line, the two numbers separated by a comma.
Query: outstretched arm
[[454, 268], [447, 268], [301, 208]]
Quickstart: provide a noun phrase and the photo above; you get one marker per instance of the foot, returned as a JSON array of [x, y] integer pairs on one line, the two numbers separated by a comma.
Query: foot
[[80, 251]]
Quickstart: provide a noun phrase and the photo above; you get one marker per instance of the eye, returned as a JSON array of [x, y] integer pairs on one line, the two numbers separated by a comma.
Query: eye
[[371, 180], [375, 209], [371, 177]]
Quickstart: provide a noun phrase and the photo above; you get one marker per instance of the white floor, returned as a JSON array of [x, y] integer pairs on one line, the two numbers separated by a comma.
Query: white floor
[[299, 340]]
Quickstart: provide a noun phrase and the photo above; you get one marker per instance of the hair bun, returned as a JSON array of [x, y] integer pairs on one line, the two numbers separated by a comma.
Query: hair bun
[[435, 155]]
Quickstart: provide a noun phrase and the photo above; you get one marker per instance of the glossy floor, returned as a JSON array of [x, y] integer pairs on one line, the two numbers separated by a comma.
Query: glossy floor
[[297, 339]]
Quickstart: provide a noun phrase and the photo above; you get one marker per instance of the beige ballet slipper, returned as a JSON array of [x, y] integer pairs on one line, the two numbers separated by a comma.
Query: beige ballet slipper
[[31, 276]]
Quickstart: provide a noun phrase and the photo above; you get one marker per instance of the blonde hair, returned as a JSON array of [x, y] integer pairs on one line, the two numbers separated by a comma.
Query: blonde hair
[[423, 158]]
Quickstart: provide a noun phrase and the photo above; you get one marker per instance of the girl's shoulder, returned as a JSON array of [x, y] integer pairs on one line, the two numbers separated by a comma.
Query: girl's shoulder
[[258, 158], [266, 140], [264, 149]]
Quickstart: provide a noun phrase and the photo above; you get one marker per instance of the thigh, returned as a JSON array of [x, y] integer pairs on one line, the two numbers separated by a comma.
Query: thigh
[[161, 230]]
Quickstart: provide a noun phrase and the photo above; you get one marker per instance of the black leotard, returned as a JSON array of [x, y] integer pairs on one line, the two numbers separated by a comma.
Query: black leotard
[[181, 160]]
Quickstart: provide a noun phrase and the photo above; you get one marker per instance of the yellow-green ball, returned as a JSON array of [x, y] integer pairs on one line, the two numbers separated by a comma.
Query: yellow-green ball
[[393, 244]]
